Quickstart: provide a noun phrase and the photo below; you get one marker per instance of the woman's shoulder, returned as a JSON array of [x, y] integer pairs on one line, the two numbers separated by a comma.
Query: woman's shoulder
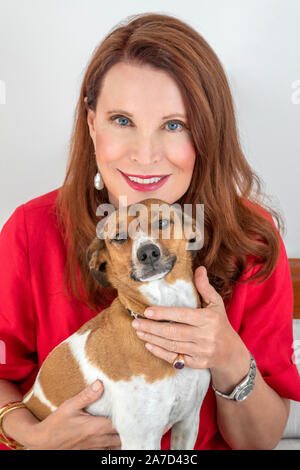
[[39, 208], [34, 221], [42, 202]]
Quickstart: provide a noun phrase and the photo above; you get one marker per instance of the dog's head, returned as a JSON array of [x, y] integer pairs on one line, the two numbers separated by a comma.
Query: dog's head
[[143, 242]]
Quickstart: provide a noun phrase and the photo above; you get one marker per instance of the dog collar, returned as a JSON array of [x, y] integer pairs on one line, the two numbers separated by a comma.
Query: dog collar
[[137, 315]]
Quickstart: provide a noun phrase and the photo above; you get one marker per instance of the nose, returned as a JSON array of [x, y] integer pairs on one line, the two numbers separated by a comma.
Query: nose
[[146, 153], [148, 254]]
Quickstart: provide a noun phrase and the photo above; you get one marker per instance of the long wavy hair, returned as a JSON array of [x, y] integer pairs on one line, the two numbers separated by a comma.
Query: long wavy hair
[[238, 226]]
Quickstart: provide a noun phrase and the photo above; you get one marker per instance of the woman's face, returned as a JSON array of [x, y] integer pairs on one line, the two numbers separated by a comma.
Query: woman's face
[[133, 133]]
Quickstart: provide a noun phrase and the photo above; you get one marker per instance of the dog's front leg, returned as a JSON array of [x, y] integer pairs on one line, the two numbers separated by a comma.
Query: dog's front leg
[[137, 430], [184, 432], [137, 434]]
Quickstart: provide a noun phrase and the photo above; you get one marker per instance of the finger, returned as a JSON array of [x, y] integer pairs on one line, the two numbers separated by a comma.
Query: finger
[[205, 289], [174, 331], [87, 396], [184, 315], [167, 355], [183, 347]]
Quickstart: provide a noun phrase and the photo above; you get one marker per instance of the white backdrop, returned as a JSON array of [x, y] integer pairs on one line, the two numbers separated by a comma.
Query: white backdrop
[[45, 46]]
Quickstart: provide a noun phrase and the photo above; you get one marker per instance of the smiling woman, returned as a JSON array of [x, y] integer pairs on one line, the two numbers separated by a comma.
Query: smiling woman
[[155, 119], [146, 145]]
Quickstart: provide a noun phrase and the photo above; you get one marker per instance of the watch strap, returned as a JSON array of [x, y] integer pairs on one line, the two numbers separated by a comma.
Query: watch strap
[[248, 381]]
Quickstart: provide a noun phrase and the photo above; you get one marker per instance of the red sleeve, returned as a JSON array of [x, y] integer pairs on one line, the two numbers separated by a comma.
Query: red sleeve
[[17, 318], [267, 327]]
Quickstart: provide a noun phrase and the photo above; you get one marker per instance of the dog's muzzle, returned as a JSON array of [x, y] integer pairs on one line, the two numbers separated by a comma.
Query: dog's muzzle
[[151, 263]]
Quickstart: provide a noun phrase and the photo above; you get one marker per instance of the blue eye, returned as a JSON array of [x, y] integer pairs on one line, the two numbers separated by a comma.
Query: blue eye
[[119, 117], [115, 118], [176, 123]]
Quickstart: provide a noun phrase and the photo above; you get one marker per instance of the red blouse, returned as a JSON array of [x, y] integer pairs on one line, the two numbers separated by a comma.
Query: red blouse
[[36, 315]]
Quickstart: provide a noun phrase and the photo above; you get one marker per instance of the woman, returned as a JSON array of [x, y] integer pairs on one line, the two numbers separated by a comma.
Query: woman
[[154, 101]]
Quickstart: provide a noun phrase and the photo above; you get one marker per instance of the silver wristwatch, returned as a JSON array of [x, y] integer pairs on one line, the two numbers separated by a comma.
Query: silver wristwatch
[[244, 388]]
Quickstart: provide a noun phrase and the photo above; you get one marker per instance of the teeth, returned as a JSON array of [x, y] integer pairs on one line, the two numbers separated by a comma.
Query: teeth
[[144, 181]]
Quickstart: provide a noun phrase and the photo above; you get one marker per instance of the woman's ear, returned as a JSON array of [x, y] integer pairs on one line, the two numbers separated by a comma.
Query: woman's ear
[[91, 115], [96, 260]]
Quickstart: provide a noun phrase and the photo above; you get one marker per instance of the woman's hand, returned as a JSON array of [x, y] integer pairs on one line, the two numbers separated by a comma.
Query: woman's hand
[[69, 427], [203, 335]]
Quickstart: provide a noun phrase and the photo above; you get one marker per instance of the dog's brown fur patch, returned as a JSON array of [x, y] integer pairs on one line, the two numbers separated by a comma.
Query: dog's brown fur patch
[[60, 378], [114, 347], [39, 409]]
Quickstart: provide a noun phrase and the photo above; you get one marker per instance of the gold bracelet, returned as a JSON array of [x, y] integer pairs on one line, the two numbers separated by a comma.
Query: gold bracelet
[[12, 444]]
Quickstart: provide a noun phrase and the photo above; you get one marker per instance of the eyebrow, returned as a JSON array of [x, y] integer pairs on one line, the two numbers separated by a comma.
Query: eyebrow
[[121, 111]]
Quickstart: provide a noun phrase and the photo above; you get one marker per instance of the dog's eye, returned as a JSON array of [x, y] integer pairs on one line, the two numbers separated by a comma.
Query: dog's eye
[[163, 223], [119, 238]]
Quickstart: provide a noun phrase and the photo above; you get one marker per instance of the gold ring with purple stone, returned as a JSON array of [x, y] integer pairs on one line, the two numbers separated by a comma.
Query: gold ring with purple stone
[[178, 362]]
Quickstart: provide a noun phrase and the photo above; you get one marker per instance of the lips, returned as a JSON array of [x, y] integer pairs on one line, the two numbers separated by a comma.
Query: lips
[[145, 187], [144, 176]]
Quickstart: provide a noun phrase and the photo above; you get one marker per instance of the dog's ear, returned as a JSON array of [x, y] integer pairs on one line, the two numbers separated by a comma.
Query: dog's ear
[[195, 236], [193, 232], [96, 261]]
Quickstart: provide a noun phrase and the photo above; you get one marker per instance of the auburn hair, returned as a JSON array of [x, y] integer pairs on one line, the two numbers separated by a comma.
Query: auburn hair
[[238, 226]]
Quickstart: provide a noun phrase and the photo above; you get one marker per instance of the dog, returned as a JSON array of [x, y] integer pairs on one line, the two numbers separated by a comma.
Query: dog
[[142, 393]]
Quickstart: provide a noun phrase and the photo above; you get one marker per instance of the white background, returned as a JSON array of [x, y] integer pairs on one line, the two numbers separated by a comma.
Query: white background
[[45, 46]]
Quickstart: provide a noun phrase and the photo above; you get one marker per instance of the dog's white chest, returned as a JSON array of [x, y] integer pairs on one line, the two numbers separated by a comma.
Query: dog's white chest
[[160, 292]]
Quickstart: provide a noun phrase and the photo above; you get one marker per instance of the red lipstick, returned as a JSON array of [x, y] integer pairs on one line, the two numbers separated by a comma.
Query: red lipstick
[[145, 187]]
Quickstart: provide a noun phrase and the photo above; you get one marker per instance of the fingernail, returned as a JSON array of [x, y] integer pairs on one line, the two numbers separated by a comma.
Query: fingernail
[[148, 313], [96, 386]]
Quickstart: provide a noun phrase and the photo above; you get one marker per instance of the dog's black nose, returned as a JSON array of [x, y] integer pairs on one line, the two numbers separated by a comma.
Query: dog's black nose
[[148, 254]]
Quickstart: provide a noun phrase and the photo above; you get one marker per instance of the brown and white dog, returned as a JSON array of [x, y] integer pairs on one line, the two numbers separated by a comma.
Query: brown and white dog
[[142, 393]]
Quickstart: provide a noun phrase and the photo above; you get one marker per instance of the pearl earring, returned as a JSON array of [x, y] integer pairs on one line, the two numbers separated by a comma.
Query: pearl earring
[[98, 181]]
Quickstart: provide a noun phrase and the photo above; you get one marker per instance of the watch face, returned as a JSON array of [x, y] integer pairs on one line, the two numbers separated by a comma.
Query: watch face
[[242, 395]]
